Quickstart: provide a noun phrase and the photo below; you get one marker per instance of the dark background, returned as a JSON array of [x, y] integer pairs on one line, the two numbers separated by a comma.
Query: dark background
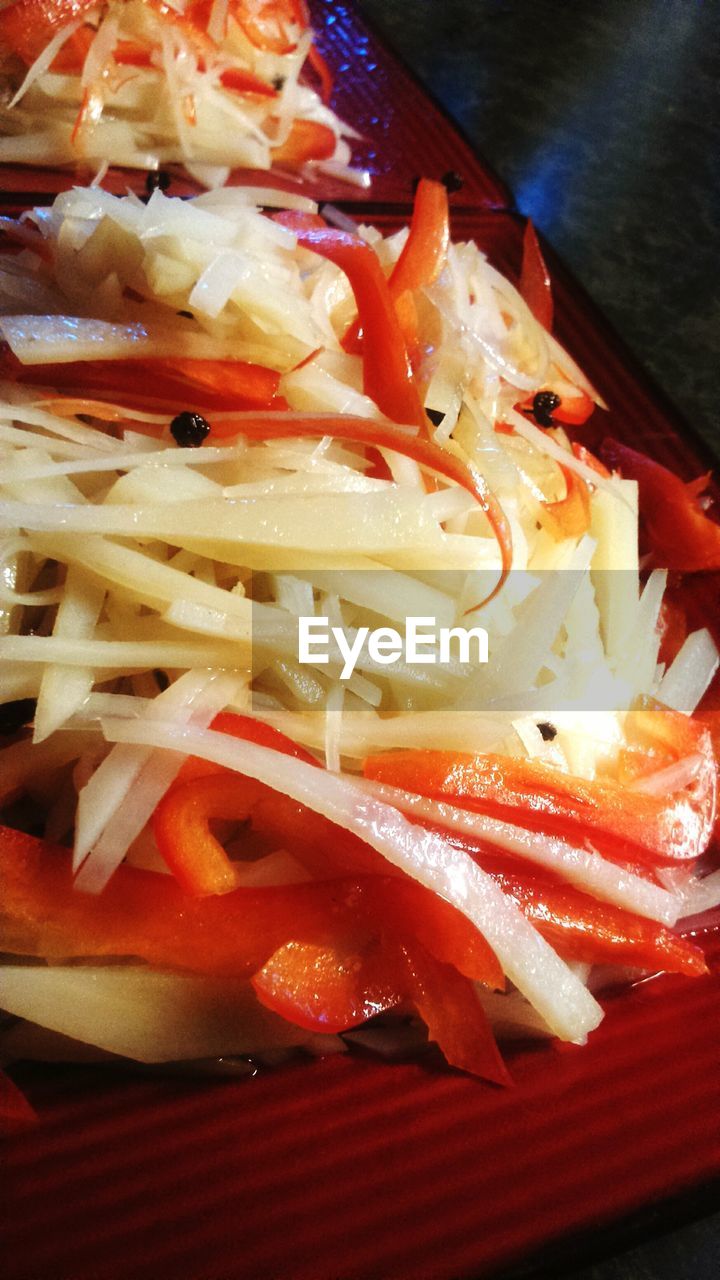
[[603, 119]]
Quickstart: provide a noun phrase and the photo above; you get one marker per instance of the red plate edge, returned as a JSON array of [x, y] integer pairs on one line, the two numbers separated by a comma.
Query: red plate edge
[[354, 1168]]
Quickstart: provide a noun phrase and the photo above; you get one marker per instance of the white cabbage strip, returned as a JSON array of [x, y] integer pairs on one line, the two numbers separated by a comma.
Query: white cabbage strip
[[108, 817]]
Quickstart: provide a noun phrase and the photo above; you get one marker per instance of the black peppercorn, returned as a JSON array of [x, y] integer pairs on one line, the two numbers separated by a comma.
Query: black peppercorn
[[189, 429], [547, 731], [543, 406], [452, 181]]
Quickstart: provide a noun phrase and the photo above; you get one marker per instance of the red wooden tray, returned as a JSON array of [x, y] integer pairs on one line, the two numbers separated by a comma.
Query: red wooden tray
[[404, 133], [354, 1169]]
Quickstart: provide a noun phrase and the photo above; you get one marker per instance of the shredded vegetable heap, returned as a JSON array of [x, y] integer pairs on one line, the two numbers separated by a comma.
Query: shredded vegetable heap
[[214, 85], [217, 419]]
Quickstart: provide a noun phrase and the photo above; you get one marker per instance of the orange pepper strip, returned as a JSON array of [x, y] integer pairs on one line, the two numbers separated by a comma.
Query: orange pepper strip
[[628, 826], [387, 377], [328, 988], [535, 286], [198, 385], [570, 516], [420, 263], [325, 989], [241, 81], [148, 916], [425, 250], [307, 140], [27, 26]]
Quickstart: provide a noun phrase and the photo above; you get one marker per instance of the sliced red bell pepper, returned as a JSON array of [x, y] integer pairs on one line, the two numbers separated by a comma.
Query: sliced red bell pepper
[[27, 26], [387, 377], [535, 286], [70, 59], [570, 516], [297, 220], [679, 535], [204, 790], [198, 385], [327, 988], [148, 916], [183, 834], [307, 140], [128, 53], [420, 262], [323, 848], [181, 825], [322, 989], [449, 1006], [240, 81], [628, 826], [425, 251], [16, 1114]]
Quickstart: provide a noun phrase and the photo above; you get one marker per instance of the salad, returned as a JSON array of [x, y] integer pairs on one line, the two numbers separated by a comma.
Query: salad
[[219, 418], [213, 85]]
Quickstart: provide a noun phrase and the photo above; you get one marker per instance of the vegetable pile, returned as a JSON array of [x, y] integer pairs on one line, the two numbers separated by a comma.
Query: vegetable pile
[[213, 85], [216, 418]]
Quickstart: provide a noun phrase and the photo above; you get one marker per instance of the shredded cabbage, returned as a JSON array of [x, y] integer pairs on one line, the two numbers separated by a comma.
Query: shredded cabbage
[[134, 84]]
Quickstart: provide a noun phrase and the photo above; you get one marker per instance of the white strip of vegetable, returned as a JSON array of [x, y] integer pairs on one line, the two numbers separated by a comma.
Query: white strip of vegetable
[[583, 867], [106, 825], [64, 689]]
